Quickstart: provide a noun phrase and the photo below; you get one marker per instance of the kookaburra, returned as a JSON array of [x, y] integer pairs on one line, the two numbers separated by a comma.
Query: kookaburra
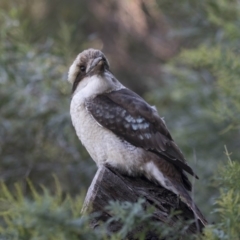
[[119, 128]]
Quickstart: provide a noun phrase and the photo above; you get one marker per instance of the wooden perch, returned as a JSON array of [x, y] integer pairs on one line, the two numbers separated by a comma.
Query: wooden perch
[[109, 185]]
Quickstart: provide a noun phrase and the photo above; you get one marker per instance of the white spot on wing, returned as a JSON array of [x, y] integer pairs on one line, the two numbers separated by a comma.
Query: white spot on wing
[[134, 126], [140, 120], [147, 135], [130, 119]]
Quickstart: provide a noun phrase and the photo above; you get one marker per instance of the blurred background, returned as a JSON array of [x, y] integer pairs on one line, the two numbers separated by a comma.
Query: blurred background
[[182, 56]]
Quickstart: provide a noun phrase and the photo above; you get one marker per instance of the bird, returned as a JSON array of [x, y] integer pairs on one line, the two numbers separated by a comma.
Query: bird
[[118, 127]]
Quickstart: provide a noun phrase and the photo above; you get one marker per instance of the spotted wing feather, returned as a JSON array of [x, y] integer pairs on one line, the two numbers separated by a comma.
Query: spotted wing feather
[[131, 118]]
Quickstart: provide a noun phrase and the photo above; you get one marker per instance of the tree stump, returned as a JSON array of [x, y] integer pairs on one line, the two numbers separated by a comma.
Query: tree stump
[[110, 185]]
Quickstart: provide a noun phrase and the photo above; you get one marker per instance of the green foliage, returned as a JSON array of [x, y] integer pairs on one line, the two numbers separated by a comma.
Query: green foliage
[[44, 216], [225, 14], [211, 69], [131, 216], [134, 216], [36, 134], [224, 66], [228, 203], [53, 216], [197, 93]]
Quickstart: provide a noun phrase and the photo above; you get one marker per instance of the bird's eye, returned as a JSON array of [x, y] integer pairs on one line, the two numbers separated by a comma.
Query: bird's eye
[[105, 63], [82, 68]]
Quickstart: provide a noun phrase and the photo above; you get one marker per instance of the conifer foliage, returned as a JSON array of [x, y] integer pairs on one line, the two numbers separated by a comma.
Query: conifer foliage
[[197, 92]]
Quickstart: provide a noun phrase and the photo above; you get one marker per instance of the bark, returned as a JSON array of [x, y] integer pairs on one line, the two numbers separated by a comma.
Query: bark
[[110, 185]]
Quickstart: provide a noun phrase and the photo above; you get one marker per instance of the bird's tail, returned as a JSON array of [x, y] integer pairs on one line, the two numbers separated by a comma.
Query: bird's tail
[[189, 201]]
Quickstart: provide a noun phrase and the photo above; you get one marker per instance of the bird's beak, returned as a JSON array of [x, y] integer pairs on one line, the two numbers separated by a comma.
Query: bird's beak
[[97, 65]]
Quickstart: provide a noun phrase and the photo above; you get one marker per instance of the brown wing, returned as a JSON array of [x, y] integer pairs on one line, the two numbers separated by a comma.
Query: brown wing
[[131, 118]]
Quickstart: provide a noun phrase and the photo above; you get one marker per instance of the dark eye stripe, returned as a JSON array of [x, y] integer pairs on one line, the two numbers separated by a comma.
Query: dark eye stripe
[[82, 68], [79, 77]]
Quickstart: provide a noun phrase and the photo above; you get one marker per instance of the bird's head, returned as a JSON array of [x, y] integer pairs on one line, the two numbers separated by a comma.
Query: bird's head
[[88, 63]]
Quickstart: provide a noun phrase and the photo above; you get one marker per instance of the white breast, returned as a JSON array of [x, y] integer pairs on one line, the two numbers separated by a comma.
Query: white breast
[[105, 147], [102, 144]]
